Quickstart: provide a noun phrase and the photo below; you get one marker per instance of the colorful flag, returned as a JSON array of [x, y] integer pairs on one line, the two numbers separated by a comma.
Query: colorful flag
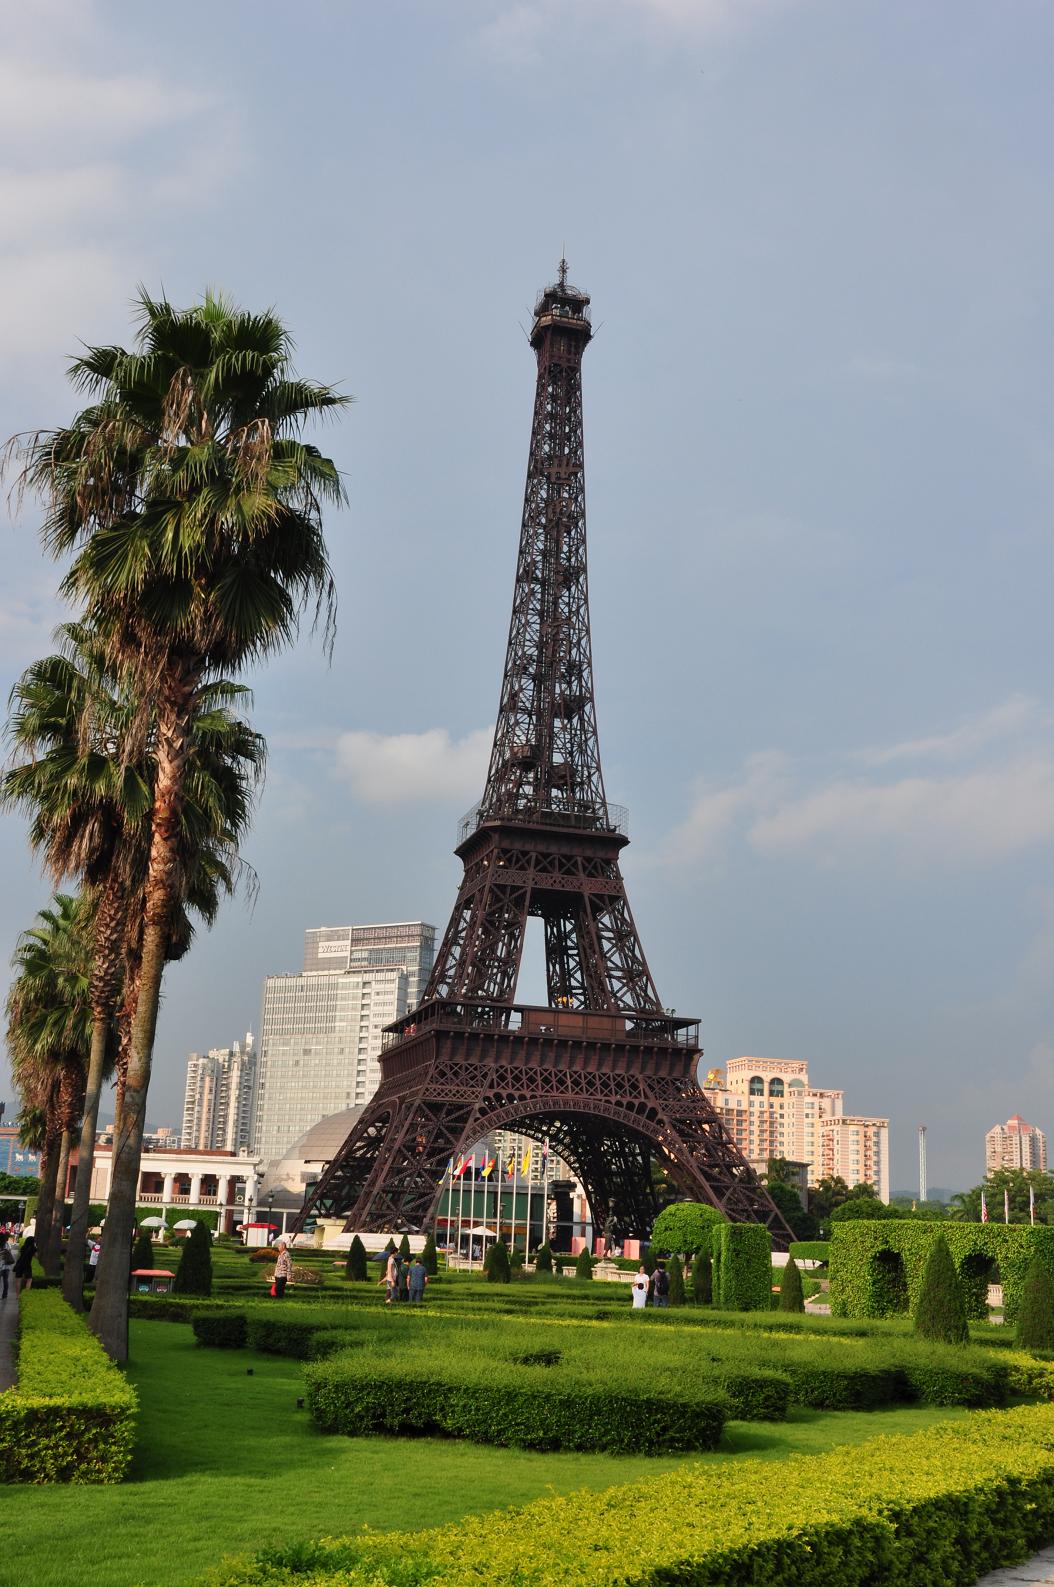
[[510, 1168], [463, 1163], [486, 1172], [545, 1148], [1031, 1202], [1006, 1204], [525, 1166], [984, 1209]]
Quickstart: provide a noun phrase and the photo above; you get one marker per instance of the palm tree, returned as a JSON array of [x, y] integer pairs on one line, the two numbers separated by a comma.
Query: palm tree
[[49, 1036], [88, 800], [192, 507]]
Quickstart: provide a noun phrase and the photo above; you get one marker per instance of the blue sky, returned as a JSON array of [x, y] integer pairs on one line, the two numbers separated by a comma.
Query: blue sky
[[820, 472]]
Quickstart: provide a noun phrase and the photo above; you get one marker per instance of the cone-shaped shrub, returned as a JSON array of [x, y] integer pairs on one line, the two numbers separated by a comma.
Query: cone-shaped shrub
[[194, 1273], [792, 1296], [142, 1251], [543, 1258], [391, 1246], [584, 1265], [405, 1254], [355, 1267], [647, 1256], [675, 1269], [702, 1279], [1035, 1318], [497, 1263], [941, 1310], [430, 1257]]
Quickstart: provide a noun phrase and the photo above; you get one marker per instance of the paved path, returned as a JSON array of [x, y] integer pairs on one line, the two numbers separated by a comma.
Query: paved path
[[1037, 1572], [8, 1331]]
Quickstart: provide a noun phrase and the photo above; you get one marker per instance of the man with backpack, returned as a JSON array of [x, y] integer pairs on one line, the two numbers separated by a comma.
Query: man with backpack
[[7, 1262], [660, 1285]]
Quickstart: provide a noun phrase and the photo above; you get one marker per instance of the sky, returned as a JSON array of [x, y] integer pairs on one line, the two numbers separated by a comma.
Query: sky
[[820, 476]]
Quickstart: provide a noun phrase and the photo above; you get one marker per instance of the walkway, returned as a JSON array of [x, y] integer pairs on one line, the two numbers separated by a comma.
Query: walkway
[[1037, 1572], [8, 1333]]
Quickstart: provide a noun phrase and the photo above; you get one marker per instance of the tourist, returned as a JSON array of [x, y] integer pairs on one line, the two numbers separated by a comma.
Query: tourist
[[7, 1261], [660, 1285], [24, 1265], [94, 1249], [640, 1288], [391, 1277], [418, 1279], [404, 1280], [283, 1270]]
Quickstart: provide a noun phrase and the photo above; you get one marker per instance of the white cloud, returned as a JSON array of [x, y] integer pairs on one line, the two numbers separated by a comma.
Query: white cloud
[[411, 768], [50, 297], [51, 102], [520, 33], [997, 801]]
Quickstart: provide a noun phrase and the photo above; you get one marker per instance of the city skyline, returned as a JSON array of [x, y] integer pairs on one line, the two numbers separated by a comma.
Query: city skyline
[[820, 253]]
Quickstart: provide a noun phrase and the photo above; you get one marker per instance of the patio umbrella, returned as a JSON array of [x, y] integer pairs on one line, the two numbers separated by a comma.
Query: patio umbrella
[[185, 1223], [154, 1223]]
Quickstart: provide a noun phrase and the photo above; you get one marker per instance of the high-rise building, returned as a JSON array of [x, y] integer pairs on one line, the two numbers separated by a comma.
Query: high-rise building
[[408, 945], [1015, 1144], [321, 1031], [219, 1099], [770, 1109], [857, 1149]]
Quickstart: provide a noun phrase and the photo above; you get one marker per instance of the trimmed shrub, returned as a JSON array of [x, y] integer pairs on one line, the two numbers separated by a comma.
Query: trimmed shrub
[[143, 1252], [71, 1417], [876, 1268], [329, 1341], [194, 1273], [811, 1250], [497, 1266], [584, 1264], [792, 1297], [405, 1254], [945, 1505], [355, 1267], [940, 1313], [685, 1226], [702, 1279], [676, 1272], [220, 1330], [543, 1258], [1035, 1318], [275, 1333], [742, 1266], [263, 1253], [430, 1257], [391, 1246]]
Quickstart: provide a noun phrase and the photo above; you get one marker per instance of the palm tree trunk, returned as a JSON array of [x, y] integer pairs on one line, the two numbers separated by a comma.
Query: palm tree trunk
[[109, 1313], [49, 1167], [51, 1253], [109, 926]]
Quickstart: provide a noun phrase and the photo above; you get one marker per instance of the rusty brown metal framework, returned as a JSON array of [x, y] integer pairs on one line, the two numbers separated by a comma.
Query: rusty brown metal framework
[[603, 1071]]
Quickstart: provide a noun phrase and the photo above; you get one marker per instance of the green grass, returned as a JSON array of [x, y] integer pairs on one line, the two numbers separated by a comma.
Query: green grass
[[225, 1463]]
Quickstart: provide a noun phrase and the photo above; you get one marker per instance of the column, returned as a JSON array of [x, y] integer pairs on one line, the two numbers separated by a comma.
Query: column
[[167, 1193], [195, 1189]]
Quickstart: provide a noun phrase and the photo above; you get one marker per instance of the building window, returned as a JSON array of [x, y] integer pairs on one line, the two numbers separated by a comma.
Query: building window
[[756, 1087], [775, 1088]]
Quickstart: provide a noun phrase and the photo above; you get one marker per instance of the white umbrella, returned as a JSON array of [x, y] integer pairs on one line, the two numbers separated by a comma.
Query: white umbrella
[[154, 1223], [186, 1223]]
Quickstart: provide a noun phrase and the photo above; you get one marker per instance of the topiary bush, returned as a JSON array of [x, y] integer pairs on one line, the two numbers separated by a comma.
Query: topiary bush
[[584, 1264], [791, 1296], [702, 1279], [497, 1264], [142, 1251], [405, 1254], [430, 1257], [1035, 1318], [811, 1250], [356, 1268], [940, 1312], [220, 1330], [685, 1226], [543, 1258], [676, 1271], [194, 1273], [742, 1255], [876, 1268]]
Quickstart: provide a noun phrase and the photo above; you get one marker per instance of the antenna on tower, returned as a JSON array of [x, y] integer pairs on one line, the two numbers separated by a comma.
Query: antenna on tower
[[563, 268], [922, 1164]]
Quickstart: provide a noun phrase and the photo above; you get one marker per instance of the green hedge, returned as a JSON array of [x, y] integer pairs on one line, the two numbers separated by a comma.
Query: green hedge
[[876, 1267], [358, 1393], [71, 1417], [946, 1505], [742, 1257], [811, 1250]]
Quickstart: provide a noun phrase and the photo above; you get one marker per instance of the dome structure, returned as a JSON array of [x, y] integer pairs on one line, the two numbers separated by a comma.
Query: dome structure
[[307, 1156]]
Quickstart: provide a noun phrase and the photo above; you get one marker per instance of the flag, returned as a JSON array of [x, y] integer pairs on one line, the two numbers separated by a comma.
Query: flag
[[545, 1148], [486, 1172], [1031, 1202], [984, 1209], [1006, 1204], [510, 1168], [525, 1166], [463, 1163]]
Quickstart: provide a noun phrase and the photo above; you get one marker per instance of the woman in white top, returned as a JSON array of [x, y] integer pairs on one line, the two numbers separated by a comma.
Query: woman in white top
[[640, 1288]]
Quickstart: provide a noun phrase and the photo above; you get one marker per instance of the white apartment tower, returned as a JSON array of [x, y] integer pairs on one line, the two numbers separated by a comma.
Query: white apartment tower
[[1015, 1144], [857, 1148], [219, 1098], [321, 1031]]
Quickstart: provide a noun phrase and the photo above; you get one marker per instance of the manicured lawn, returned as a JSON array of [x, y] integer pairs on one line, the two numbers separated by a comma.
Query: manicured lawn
[[226, 1463]]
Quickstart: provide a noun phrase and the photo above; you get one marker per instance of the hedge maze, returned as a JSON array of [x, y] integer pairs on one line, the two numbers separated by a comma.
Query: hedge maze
[[876, 1268]]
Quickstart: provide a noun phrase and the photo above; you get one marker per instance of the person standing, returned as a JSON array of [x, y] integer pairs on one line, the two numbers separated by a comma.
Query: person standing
[[283, 1270], [639, 1288], [391, 1277], [24, 1265], [418, 1279], [661, 1285], [7, 1262], [93, 1261]]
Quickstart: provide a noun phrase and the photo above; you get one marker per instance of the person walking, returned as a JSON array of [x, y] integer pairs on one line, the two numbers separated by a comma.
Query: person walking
[[661, 1285], [418, 1279], [391, 1277], [24, 1266], [639, 1288], [283, 1270], [7, 1262]]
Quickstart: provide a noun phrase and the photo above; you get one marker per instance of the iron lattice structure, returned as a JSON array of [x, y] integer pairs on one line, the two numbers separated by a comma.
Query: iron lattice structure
[[603, 1071]]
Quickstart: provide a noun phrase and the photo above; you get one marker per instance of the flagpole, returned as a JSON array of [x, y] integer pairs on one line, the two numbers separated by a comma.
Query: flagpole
[[527, 1236], [497, 1204], [460, 1207]]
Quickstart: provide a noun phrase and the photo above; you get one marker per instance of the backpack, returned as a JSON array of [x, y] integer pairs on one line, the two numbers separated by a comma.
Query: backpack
[[9, 1256], [662, 1282]]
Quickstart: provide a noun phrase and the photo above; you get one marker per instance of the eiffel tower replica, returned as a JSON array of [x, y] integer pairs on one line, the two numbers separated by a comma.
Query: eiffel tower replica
[[603, 1071]]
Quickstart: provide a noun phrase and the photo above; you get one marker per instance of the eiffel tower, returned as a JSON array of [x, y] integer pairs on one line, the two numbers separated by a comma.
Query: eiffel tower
[[603, 1070]]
